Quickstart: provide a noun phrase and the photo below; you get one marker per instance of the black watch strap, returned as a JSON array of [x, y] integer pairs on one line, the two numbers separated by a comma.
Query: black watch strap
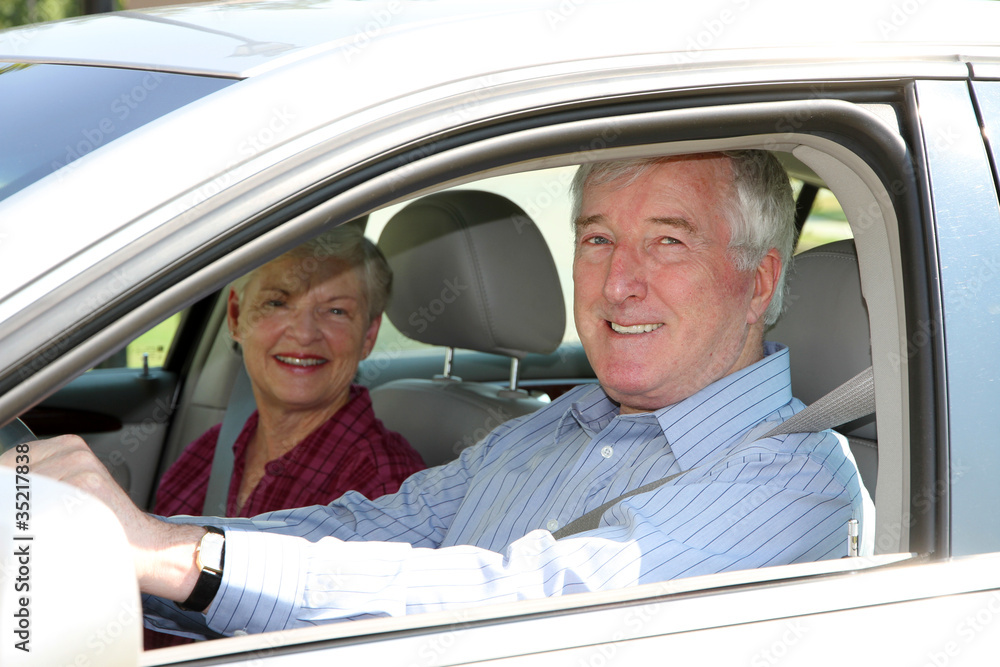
[[210, 560]]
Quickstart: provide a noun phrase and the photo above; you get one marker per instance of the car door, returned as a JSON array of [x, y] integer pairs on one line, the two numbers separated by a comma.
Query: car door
[[817, 613], [737, 614], [126, 407], [122, 413], [957, 118]]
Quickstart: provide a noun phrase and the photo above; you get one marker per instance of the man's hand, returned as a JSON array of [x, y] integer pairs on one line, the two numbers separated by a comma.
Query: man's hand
[[163, 553]]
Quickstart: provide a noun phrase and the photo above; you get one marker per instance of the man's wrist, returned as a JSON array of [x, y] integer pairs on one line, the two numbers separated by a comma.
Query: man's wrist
[[166, 566], [210, 558]]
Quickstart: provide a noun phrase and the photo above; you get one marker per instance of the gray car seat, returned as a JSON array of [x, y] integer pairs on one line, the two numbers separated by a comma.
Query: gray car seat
[[825, 325], [472, 271]]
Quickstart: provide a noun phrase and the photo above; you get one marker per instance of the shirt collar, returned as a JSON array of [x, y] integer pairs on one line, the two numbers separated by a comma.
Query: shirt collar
[[592, 411], [708, 420], [711, 419]]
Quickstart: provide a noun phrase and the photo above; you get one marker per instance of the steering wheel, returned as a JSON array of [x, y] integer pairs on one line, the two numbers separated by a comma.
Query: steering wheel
[[14, 434]]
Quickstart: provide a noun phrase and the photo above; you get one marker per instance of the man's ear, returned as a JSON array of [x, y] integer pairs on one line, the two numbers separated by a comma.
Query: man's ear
[[233, 316], [765, 282], [370, 336]]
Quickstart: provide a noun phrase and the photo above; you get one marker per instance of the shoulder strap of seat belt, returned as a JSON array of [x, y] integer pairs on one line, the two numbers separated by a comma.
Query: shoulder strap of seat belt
[[241, 405], [592, 519], [852, 400]]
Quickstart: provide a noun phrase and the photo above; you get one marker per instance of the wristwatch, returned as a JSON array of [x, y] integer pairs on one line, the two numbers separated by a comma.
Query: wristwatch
[[210, 557]]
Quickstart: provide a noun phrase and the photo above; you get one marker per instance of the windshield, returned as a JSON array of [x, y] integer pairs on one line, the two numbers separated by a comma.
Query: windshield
[[55, 114]]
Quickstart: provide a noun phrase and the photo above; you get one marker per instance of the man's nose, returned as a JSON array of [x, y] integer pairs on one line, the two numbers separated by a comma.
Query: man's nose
[[626, 276]]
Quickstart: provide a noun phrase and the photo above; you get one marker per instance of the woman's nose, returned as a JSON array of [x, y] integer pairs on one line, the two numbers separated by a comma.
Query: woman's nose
[[304, 325]]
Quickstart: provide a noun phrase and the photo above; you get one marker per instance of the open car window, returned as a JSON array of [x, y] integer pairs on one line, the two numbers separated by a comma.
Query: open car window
[[558, 233]]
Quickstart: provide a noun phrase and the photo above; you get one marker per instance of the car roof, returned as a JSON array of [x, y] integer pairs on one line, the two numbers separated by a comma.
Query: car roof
[[242, 39]]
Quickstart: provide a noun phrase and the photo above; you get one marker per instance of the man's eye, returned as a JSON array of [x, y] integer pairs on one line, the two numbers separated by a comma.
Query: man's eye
[[598, 240], [274, 303], [338, 311], [669, 240]]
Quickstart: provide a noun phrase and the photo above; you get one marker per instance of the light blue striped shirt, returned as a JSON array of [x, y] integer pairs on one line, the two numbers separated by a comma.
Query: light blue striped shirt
[[479, 530]]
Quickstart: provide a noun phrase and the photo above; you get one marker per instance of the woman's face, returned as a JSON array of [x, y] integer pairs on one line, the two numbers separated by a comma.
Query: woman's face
[[303, 324]]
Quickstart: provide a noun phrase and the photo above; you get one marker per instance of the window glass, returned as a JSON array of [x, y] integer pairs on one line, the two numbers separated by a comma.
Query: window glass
[[826, 222], [155, 343], [76, 110]]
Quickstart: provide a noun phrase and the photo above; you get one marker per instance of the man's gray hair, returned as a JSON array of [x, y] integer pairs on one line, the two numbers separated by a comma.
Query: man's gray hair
[[346, 243], [761, 215]]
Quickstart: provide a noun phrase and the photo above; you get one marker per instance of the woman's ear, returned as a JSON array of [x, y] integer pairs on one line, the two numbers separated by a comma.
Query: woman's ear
[[233, 316], [370, 336]]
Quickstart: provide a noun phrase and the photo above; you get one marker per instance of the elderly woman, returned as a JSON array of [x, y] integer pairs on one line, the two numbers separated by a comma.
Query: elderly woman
[[304, 320]]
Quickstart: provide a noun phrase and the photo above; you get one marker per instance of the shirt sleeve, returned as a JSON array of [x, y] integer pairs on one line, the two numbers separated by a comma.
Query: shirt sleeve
[[765, 506], [265, 571]]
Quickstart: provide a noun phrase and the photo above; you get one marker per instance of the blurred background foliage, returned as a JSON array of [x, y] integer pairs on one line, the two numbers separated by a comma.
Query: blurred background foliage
[[23, 12]]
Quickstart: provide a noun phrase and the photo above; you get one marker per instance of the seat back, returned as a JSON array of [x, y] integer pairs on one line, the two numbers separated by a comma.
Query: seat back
[[471, 270], [825, 326]]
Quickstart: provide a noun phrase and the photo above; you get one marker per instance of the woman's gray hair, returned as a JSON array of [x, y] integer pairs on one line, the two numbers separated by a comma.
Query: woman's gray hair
[[346, 243], [761, 215]]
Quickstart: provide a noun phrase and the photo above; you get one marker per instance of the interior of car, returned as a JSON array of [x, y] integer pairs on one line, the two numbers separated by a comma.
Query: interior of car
[[475, 365], [472, 361], [845, 313]]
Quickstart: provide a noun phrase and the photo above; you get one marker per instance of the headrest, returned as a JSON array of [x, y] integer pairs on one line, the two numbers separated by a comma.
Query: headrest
[[471, 270], [825, 323]]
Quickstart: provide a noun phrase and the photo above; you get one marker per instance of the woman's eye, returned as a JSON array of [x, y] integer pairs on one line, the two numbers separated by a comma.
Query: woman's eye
[[274, 303]]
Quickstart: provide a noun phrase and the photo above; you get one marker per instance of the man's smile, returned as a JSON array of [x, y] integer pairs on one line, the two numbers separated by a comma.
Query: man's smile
[[635, 328]]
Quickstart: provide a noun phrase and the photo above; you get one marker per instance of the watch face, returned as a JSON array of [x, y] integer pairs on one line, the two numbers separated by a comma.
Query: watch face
[[210, 552]]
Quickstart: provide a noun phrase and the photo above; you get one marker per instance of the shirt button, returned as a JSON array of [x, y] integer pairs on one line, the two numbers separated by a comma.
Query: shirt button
[[552, 525], [607, 451], [275, 468], [240, 633]]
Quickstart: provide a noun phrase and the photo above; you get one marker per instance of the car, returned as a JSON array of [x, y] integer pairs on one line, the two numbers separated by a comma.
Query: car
[[148, 158]]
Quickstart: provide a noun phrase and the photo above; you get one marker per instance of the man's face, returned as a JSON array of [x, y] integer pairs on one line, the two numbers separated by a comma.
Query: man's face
[[304, 328], [659, 306]]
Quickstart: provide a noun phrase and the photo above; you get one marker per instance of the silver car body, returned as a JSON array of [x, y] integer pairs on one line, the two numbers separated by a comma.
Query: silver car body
[[343, 107]]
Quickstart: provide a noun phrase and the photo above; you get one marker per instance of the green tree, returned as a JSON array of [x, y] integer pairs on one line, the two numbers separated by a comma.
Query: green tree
[[23, 12]]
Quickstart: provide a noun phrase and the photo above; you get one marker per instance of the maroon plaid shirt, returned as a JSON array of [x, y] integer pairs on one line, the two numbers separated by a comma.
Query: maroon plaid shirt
[[351, 451]]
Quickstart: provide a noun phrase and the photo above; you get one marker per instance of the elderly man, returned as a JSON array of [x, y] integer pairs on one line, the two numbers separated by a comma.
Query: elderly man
[[678, 269]]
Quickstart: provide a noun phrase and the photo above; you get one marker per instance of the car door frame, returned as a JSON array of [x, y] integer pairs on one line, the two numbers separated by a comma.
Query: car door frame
[[847, 142]]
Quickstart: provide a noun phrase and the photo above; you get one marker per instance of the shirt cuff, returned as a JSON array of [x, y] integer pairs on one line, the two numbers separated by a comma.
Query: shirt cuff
[[262, 582]]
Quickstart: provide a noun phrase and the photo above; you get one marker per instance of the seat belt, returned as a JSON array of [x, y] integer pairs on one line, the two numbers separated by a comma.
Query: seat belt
[[241, 405], [592, 519], [852, 400]]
